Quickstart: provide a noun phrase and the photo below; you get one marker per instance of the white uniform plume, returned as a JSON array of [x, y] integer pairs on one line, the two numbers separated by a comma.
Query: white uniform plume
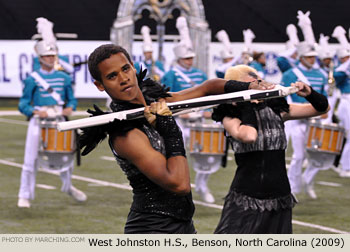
[[45, 28], [324, 50], [248, 37], [339, 33], [184, 48], [292, 33], [305, 25], [227, 51], [181, 26], [147, 41]]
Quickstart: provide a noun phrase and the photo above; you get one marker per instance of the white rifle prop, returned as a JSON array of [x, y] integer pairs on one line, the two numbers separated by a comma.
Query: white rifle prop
[[179, 107]]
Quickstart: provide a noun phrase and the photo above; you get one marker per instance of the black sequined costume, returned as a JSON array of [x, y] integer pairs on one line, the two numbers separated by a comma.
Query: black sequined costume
[[151, 200], [154, 209], [259, 199]]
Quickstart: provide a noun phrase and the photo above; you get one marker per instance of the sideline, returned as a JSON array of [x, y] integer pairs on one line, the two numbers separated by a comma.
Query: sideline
[[17, 113], [126, 187]]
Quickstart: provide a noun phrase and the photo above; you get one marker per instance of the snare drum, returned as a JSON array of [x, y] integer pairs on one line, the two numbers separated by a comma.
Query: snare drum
[[207, 139], [327, 138], [54, 141]]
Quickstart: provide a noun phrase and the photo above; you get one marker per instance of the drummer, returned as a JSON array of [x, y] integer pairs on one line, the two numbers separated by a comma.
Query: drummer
[[46, 93], [304, 72], [182, 76], [342, 77]]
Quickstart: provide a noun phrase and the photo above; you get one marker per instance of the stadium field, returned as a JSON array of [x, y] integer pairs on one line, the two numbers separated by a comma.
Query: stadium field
[[109, 195]]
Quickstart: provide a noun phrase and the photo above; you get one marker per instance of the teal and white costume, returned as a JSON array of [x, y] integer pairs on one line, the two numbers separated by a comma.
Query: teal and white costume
[[35, 97], [179, 78], [342, 78], [317, 81]]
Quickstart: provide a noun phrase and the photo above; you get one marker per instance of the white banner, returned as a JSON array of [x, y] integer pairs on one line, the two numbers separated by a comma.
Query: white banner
[[16, 57]]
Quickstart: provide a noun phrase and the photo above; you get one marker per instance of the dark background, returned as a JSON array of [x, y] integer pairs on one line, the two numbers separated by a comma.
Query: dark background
[[92, 19]]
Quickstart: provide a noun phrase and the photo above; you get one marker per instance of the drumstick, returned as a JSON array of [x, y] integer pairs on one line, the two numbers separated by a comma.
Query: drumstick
[[212, 100]]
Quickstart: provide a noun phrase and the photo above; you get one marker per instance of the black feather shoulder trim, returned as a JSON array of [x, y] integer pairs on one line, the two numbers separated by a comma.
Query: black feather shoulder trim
[[92, 136]]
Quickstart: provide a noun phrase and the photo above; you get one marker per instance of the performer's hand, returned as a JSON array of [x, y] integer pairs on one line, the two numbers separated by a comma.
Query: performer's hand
[[185, 116], [162, 108], [150, 116], [304, 89], [324, 116], [67, 111], [207, 114], [155, 108], [41, 114], [261, 85]]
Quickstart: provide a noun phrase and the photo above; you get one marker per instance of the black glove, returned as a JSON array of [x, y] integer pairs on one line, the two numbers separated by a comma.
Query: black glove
[[224, 110], [247, 114], [172, 135], [236, 86], [317, 100]]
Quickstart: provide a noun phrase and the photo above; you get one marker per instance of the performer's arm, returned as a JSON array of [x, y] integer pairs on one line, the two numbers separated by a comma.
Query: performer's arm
[[318, 104], [171, 171], [217, 86], [244, 128], [71, 101], [24, 105], [241, 132]]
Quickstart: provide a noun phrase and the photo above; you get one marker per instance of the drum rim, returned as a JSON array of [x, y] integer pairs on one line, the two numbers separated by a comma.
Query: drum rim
[[205, 125], [331, 126]]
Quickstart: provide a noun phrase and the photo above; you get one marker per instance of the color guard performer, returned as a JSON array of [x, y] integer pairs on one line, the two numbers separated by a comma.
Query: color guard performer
[[259, 199], [150, 151]]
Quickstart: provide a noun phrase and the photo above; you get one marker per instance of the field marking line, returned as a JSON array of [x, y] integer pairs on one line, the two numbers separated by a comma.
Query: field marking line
[[4, 120], [325, 183], [127, 187], [47, 187], [17, 113]]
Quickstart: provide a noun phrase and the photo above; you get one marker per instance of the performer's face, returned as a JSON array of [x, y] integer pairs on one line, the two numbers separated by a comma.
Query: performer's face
[[262, 59], [342, 60], [326, 62], [148, 55], [227, 60], [118, 77], [47, 62], [186, 62], [308, 61]]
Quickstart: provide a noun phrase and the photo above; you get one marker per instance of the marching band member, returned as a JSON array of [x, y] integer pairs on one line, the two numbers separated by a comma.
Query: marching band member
[[342, 77], [43, 89], [226, 54], [180, 77], [258, 63], [259, 199], [150, 151], [288, 58], [246, 55], [304, 72], [155, 68], [325, 57], [62, 63]]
